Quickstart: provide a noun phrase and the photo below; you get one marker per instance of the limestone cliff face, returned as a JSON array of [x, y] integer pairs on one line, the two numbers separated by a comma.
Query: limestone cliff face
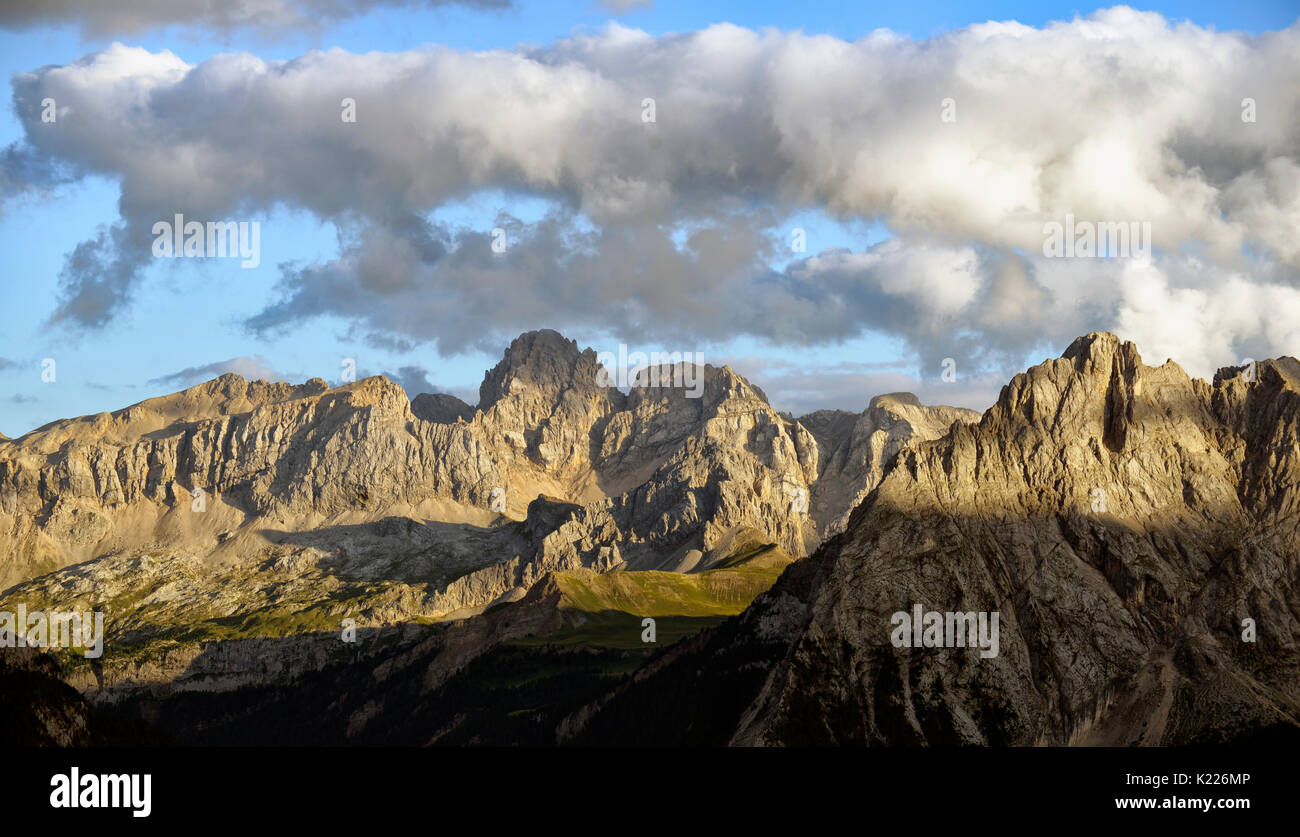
[[537, 411], [692, 472], [275, 454], [1124, 521], [860, 448]]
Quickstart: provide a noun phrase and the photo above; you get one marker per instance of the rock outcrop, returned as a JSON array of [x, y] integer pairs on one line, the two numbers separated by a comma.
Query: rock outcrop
[[859, 448], [441, 408], [39, 709]]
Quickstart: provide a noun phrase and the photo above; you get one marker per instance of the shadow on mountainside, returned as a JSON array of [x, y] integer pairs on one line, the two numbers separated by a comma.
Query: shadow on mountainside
[[407, 550]]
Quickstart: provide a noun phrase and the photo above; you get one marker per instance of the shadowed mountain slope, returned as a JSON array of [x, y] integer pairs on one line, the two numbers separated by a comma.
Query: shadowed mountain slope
[[1134, 528]]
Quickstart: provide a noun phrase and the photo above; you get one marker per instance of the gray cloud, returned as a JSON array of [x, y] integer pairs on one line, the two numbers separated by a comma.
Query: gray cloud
[[622, 7], [98, 275], [252, 368], [414, 379], [24, 171], [23, 168], [116, 17], [668, 228], [457, 291]]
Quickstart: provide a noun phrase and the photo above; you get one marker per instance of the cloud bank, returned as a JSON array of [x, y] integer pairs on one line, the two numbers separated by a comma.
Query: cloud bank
[[671, 166]]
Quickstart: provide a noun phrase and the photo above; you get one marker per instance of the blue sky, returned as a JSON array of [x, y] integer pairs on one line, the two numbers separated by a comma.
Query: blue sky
[[189, 313]]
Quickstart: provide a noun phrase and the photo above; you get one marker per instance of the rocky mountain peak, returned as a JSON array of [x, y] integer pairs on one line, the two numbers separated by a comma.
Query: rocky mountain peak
[[539, 404], [441, 408], [1093, 344], [1097, 382], [697, 389], [375, 391], [540, 361], [894, 399], [1282, 372]]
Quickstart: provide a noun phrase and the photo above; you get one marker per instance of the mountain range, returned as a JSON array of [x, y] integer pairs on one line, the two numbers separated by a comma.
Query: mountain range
[[1134, 530]]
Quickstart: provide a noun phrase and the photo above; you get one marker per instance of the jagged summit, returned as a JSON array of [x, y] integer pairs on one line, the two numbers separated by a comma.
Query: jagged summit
[[441, 408], [1093, 342], [1285, 369], [905, 399], [544, 360]]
